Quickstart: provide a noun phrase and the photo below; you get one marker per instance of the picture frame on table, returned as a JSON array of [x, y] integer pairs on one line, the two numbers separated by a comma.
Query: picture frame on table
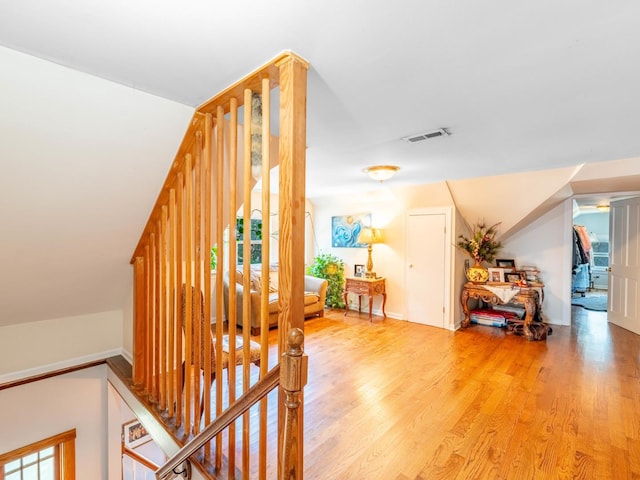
[[508, 264], [512, 277], [358, 270], [496, 275], [134, 434]]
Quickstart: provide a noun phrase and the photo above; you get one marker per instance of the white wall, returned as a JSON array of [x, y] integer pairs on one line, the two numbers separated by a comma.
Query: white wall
[[38, 410], [84, 159], [546, 243], [30, 348], [127, 327], [596, 223], [388, 213]]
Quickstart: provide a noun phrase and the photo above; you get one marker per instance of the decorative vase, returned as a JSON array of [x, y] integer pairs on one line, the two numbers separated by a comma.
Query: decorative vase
[[477, 274]]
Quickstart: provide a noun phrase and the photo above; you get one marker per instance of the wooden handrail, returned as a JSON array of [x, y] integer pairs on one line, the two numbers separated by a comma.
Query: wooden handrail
[[244, 403], [139, 458]]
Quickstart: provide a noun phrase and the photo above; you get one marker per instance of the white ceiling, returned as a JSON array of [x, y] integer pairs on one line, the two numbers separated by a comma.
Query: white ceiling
[[520, 86]]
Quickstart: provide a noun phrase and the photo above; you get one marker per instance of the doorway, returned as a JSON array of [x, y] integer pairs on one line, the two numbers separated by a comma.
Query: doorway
[[589, 286], [427, 267]]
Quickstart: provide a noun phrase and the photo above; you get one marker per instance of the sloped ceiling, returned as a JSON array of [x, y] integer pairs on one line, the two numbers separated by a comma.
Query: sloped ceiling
[[82, 162], [520, 87]]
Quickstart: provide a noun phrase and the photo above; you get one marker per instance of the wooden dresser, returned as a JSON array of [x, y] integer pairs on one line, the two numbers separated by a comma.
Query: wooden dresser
[[530, 297]]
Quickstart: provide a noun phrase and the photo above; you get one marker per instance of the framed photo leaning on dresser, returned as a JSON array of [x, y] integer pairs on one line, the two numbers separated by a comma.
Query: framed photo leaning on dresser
[[512, 277], [496, 274], [509, 264]]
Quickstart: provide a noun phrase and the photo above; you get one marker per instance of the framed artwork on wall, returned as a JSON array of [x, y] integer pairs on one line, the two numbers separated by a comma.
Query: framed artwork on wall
[[346, 228], [134, 434]]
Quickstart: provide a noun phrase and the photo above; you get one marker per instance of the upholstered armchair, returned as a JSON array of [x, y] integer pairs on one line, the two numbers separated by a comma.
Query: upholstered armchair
[[314, 299]]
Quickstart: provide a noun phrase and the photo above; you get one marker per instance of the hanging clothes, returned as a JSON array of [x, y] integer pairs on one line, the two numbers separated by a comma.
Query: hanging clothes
[[581, 270], [585, 241]]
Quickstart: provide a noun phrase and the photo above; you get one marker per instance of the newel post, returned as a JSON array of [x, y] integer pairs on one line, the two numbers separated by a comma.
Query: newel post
[[293, 377]]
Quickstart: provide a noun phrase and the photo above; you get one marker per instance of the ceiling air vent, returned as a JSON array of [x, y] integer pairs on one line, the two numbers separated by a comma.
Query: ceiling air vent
[[441, 132]]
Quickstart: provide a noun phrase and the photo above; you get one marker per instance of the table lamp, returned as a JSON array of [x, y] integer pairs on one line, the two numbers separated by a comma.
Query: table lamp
[[370, 236]]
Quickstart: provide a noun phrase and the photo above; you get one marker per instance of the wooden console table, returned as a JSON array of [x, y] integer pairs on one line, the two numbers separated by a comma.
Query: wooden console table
[[365, 286], [532, 326]]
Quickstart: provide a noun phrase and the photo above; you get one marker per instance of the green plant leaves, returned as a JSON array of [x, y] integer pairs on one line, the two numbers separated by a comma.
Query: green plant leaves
[[331, 268]]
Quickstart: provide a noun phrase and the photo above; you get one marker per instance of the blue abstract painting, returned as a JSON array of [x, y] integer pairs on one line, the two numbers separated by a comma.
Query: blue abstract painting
[[346, 228]]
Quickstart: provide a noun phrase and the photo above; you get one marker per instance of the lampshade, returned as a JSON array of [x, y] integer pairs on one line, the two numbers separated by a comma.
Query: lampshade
[[370, 235], [381, 172]]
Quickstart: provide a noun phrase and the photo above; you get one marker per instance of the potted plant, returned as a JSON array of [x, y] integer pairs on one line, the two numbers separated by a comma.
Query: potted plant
[[482, 246], [214, 258], [331, 268]]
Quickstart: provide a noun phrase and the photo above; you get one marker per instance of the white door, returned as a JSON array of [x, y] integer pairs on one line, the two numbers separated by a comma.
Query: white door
[[624, 262], [425, 268]]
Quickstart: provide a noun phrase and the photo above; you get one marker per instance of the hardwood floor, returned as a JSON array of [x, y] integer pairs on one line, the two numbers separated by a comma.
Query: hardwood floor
[[398, 400], [394, 400]]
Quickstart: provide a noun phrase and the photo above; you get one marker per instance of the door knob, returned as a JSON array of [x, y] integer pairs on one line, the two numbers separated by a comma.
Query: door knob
[[411, 265]]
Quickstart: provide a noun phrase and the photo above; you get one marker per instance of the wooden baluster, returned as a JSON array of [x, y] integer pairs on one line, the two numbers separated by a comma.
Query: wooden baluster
[[162, 279], [266, 255], [139, 323], [157, 300], [246, 275], [173, 324], [206, 178], [293, 377], [233, 261], [198, 333], [154, 317], [148, 321], [178, 294], [221, 254], [188, 293]]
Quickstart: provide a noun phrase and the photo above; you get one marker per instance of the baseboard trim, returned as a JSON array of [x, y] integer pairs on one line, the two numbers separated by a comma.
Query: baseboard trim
[[376, 311]]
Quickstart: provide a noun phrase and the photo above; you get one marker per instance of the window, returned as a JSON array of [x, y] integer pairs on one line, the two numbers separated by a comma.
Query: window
[[256, 240], [50, 459]]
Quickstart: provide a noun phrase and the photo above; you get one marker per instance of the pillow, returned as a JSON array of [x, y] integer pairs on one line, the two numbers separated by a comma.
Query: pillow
[[256, 281]]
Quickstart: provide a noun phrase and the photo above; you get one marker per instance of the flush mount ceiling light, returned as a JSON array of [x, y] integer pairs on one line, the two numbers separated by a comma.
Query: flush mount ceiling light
[[381, 172]]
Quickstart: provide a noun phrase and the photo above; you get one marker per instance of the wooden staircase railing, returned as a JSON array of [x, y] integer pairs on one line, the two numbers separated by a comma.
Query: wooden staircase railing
[[292, 377], [177, 359]]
